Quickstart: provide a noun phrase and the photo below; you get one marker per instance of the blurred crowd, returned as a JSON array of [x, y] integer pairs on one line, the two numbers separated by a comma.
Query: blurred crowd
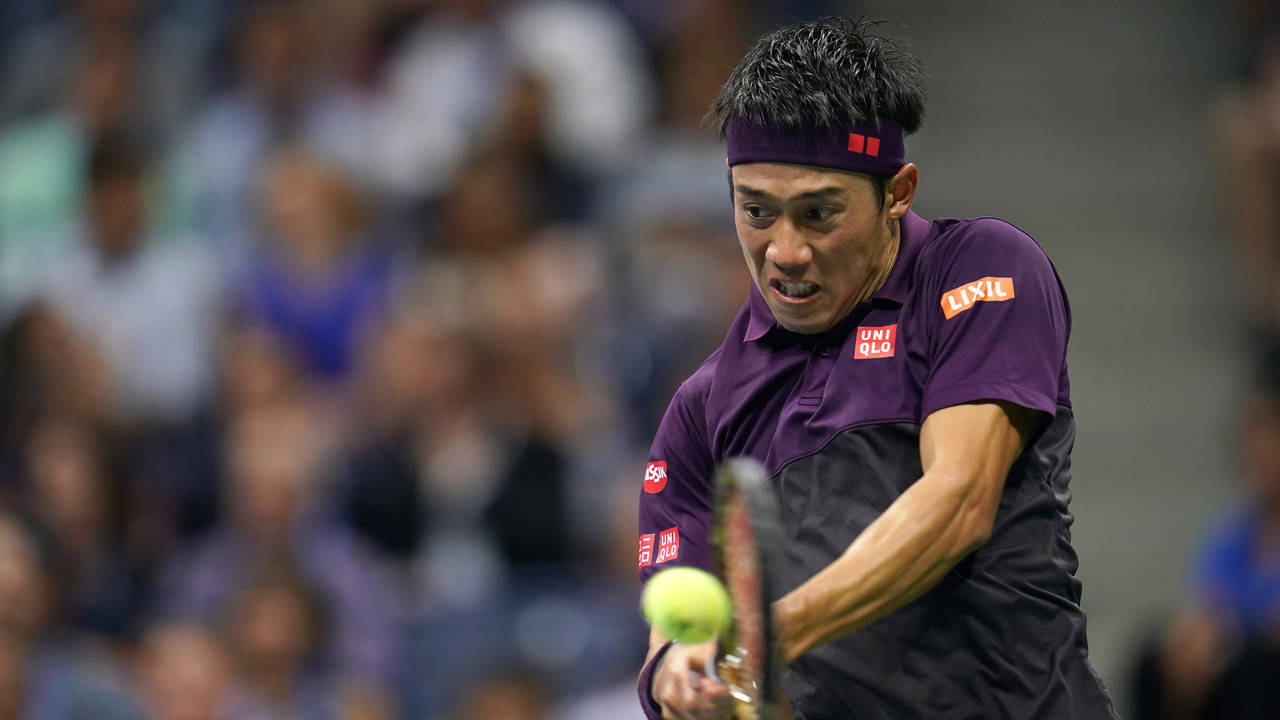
[[332, 335], [1218, 658]]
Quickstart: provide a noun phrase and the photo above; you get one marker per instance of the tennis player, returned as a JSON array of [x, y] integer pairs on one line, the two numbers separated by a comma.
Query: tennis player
[[904, 383]]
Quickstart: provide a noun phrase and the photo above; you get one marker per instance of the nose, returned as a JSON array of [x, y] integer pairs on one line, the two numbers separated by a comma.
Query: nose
[[788, 249]]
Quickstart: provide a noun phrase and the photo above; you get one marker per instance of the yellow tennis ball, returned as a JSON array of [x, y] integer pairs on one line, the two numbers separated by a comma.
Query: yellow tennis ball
[[686, 604]]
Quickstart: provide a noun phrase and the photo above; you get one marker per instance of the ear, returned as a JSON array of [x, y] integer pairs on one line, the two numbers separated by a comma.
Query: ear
[[900, 191]]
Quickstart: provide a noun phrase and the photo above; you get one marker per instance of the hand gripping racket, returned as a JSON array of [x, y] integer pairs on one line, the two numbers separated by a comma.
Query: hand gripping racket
[[748, 548]]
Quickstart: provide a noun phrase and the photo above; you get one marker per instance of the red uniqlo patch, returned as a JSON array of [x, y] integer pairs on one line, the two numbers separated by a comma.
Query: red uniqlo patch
[[875, 342], [655, 477], [668, 545], [646, 550]]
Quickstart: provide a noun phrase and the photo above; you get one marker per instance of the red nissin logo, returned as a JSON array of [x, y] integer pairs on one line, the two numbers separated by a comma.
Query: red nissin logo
[[646, 549], [875, 342], [655, 477], [864, 144], [668, 545]]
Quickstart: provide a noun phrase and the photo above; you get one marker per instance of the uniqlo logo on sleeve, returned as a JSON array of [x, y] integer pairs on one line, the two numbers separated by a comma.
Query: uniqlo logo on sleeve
[[668, 545], [987, 289], [646, 550], [875, 342], [655, 477]]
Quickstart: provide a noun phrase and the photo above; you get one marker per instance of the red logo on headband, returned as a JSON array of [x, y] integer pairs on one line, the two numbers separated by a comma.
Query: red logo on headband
[[864, 144]]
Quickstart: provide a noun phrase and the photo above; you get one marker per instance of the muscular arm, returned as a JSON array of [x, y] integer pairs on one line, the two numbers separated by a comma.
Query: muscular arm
[[965, 452]]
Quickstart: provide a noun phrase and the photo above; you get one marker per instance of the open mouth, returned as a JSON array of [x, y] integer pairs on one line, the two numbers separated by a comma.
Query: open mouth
[[795, 291]]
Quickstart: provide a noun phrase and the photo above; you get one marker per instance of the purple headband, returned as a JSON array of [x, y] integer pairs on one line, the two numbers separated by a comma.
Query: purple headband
[[875, 148]]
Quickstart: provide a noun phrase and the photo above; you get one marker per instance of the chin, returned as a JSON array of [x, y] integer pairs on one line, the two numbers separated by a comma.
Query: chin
[[808, 326]]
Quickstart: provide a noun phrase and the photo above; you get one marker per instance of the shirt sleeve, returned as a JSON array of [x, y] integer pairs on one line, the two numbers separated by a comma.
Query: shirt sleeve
[[675, 495], [998, 320]]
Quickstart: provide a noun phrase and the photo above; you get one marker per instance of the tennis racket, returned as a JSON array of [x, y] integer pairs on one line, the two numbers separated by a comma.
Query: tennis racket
[[748, 549]]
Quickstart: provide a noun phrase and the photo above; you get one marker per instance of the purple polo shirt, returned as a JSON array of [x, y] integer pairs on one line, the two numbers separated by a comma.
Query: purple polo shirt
[[972, 310]]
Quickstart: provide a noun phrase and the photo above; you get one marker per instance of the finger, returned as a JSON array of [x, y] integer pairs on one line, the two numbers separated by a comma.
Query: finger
[[669, 713], [676, 696], [672, 711], [671, 702], [702, 657], [689, 699], [672, 714], [714, 698]]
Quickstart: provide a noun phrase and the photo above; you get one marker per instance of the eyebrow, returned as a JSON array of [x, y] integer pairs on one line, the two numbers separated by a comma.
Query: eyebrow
[[826, 192]]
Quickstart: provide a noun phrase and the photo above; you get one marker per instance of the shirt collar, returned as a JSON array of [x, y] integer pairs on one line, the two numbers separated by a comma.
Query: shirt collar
[[759, 317], [896, 288]]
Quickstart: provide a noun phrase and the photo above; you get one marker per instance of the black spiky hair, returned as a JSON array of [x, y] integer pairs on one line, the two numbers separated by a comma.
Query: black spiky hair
[[824, 74]]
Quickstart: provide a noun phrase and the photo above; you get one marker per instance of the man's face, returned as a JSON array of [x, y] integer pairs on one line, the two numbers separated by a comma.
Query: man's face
[[117, 210], [817, 241]]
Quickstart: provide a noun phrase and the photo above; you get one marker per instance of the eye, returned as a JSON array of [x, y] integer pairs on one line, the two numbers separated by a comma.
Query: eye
[[819, 214], [756, 212]]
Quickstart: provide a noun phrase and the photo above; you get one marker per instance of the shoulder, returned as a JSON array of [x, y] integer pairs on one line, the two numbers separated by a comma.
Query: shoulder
[[696, 388], [961, 251], [978, 239], [683, 431]]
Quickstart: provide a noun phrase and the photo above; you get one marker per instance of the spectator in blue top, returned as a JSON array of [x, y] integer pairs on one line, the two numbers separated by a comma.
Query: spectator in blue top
[[1222, 654]]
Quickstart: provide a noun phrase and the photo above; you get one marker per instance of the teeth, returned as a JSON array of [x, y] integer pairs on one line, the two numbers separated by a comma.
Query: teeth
[[797, 289]]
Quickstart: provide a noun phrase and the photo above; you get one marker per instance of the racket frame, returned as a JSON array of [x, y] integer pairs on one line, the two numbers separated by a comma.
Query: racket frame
[[744, 478]]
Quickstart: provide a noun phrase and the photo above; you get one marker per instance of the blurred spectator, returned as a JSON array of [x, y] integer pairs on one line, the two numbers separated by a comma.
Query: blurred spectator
[[610, 692], [531, 293], [48, 370], [275, 514], [149, 307], [513, 695], [67, 488], [1247, 125], [12, 675], [321, 282], [681, 176], [276, 628], [492, 492], [258, 371], [1222, 655], [271, 666], [43, 163], [473, 68], [184, 673], [289, 87], [49, 674], [172, 39], [485, 408], [672, 215], [27, 590]]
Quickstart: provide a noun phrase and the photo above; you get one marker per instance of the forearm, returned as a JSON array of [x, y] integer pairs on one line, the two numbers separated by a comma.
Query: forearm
[[903, 553]]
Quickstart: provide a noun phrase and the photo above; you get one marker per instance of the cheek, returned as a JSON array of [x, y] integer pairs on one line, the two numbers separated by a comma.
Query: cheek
[[859, 249], [753, 246]]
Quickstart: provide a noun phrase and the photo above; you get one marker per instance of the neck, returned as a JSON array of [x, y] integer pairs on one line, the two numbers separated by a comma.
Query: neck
[[890, 257]]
